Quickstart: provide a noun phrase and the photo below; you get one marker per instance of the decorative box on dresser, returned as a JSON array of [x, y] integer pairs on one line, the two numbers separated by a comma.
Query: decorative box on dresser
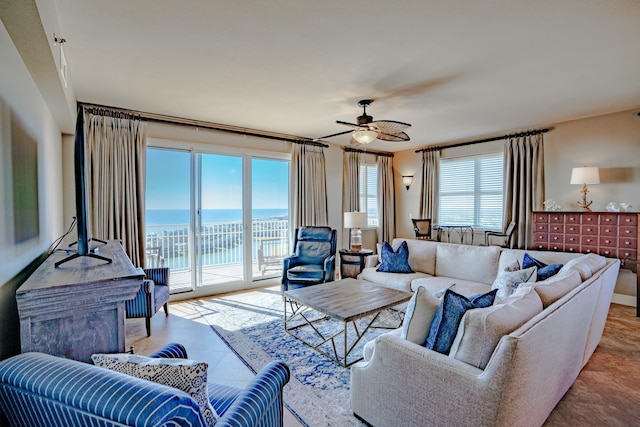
[[611, 234]]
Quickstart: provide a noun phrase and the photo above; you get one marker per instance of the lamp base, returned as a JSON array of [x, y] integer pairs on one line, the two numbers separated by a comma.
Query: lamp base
[[583, 204], [356, 240]]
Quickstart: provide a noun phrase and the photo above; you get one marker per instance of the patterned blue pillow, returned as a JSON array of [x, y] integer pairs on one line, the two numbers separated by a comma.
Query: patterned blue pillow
[[544, 271], [444, 326], [395, 262]]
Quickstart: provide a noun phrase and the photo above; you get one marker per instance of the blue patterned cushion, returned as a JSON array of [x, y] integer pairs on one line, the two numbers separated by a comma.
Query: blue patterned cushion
[[183, 374], [544, 271], [395, 262], [444, 326]]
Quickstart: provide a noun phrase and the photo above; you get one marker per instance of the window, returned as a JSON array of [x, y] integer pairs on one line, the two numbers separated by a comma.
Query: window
[[471, 191], [369, 193]]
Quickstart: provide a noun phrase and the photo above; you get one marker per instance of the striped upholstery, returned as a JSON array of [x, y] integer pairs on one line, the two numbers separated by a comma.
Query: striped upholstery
[[42, 390], [153, 294], [173, 350]]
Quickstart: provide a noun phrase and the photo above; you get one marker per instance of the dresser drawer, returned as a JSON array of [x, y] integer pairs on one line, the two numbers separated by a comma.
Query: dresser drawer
[[572, 248], [556, 218], [609, 252], [608, 219], [541, 246], [609, 241], [541, 227], [556, 238], [608, 230], [572, 239], [572, 228], [572, 219], [628, 219], [628, 231], [590, 230], [589, 240], [624, 253], [628, 243], [541, 217], [589, 219], [541, 237]]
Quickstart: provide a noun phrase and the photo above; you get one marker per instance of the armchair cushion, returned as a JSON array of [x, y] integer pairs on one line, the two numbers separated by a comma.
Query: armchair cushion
[[183, 374], [312, 272]]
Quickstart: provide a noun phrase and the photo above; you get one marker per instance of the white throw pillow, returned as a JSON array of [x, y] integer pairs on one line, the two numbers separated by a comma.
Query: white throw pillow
[[482, 328], [183, 374], [418, 316], [586, 265], [508, 281]]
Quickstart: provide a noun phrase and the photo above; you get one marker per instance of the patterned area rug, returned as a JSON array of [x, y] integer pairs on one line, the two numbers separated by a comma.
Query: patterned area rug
[[251, 323]]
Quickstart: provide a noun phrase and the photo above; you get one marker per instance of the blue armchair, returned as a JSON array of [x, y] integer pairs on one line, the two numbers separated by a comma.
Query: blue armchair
[[153, 294], [313, 260], [38, 389]]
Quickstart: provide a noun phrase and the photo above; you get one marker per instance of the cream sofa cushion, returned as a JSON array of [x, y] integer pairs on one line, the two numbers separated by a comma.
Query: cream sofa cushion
[[422, 254], [481, 328], [400, 282], [473, 263], [555, 287], [418, 316]]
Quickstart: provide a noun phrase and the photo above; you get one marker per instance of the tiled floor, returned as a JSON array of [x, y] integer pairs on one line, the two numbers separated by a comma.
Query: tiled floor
[[201, 344]]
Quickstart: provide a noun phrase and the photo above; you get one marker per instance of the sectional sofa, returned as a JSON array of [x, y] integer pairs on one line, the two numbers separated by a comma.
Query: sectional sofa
[[509, 364]]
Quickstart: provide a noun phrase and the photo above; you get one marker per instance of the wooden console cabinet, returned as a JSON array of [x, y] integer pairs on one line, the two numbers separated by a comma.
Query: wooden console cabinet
[[77, 309], [611, 234]]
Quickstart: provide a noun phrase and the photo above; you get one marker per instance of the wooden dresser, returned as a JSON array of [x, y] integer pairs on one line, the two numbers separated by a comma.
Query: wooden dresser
[[77, 309], [611, 234]]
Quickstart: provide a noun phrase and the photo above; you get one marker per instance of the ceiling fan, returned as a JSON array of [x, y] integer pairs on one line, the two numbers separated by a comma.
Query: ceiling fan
[[366, 129]]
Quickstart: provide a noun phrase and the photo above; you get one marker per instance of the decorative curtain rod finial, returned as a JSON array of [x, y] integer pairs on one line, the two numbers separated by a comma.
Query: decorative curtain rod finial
[[58, 40]]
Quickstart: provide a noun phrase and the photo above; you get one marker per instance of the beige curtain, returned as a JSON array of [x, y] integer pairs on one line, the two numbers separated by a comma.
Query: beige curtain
[[115, 153], [523, 184], [386, 200], [351, 182], [309, 185], [429, 188]]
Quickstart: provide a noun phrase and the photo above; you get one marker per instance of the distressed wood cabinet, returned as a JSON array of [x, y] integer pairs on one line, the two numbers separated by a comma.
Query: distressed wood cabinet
[[77, 309], [611, 234]]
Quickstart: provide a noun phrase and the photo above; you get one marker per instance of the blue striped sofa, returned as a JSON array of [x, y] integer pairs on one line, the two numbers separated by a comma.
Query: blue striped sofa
[[38, 389]]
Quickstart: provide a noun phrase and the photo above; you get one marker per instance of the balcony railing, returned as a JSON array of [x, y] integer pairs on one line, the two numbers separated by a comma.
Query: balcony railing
[[218, 244]]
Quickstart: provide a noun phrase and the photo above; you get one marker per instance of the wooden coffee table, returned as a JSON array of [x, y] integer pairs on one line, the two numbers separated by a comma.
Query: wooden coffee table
[[343, 301]]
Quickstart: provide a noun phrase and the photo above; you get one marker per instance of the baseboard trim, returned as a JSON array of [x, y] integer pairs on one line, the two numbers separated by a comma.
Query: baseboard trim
[[624, 300]]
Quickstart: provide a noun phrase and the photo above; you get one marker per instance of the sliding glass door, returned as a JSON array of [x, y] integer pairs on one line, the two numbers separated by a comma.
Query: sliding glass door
[[216, 218]]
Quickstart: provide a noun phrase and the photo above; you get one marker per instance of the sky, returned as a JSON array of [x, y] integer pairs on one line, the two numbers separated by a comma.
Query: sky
[[168, 180]]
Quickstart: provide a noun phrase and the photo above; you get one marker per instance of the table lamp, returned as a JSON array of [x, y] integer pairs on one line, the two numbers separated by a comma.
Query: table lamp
[[585, 175], [355, 221]]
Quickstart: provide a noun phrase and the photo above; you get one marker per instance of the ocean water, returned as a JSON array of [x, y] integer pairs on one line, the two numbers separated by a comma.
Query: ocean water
[[181, 216]]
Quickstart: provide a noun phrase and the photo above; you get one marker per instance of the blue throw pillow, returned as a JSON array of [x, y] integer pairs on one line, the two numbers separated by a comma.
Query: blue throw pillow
[[395, 262], [544, 271], [444, 326]]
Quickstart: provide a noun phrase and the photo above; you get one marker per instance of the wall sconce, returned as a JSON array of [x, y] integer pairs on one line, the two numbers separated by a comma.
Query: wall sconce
[[407, 180], [584, 176]]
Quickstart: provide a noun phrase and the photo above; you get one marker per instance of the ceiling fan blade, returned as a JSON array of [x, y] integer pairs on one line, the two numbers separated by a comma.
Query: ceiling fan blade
[[390, 126], [393, 137], [335, 134], [351, 125]]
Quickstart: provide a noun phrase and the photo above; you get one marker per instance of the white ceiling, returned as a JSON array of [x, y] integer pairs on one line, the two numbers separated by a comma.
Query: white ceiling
[[454, 69]]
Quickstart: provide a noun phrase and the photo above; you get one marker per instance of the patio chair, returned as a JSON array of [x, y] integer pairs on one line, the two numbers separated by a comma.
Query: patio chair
[[505, 237], [153, 294], [313, 260], [422, 228]]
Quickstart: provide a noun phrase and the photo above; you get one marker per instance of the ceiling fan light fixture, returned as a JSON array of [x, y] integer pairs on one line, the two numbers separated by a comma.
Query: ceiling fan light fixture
[[364, 136]]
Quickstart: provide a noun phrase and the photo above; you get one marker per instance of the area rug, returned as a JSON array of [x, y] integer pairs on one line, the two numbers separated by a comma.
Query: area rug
[[251, 324]]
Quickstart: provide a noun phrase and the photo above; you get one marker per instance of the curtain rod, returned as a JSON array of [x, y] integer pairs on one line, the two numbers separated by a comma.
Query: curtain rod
[[377, 153], [495, 138], [161, 118]]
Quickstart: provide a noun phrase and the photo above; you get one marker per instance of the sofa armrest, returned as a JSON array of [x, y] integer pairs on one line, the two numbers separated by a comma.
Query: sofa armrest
[[440, 383], [36, 388], [171, 351], [371, 261], [260, 404]]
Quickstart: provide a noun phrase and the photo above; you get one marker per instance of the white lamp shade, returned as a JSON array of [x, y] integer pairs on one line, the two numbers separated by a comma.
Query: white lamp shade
[[585, 175], [364, 136], [355, 220]]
